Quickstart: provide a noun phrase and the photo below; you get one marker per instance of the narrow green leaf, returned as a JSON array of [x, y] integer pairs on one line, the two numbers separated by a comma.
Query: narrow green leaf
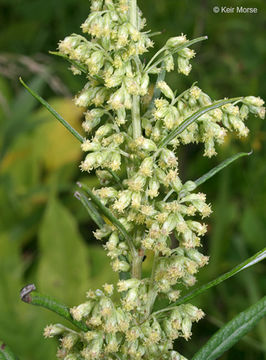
[[64, 123], [174, 51], [259, 256], [109, 215], [30, 296], [73, 62], [93, 212], [193, 118], [116, 178], [219, 167], [5, 352], [53, 112], [230, 333]]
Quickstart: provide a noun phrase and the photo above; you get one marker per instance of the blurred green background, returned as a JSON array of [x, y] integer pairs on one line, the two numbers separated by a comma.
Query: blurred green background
[[46, 236]]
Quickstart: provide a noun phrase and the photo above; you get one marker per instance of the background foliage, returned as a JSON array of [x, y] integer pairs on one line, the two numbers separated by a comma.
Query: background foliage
[[46, 236]]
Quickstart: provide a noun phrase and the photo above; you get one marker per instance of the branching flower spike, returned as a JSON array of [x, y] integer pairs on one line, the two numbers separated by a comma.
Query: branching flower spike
[[147, 205]]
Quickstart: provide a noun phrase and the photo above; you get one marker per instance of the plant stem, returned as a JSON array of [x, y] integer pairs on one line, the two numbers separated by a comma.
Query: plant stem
[[136, 124], [136, 117], [136, 266]]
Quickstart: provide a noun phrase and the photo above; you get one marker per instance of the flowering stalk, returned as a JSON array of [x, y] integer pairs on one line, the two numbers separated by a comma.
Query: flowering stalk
[[150, 209]]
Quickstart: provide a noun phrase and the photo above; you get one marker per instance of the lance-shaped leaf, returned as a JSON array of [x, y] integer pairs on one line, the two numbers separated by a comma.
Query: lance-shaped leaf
[[188, 121], [106, 212], [6, 353], [232, 332], [93, 212], [173, 51], [30, 296], [53, 112], [64, 123], [72, 62], [219, 167], [259, 256]]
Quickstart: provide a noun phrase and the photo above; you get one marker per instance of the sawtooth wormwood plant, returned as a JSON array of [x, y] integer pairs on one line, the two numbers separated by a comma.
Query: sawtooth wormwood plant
[[142, 205]]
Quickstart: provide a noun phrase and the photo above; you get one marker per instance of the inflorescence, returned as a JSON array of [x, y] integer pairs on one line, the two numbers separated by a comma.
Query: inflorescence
[[161, 214]]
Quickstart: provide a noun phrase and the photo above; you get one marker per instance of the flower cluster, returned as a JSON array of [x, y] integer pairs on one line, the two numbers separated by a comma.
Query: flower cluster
[[138, 144], [114, 330]]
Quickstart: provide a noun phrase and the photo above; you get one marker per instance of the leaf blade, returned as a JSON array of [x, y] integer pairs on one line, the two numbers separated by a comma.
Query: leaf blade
[[229, 334], [53, 112], [219, 167]]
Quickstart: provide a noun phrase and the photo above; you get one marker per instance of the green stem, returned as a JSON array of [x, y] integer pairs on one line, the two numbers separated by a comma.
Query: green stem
[[133, 13], [30, 296], [135, 112], [136, 124], [136, 266]]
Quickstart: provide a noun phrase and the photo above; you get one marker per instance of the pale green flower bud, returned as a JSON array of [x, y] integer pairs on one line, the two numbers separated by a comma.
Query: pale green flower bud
[[112, 343], [117, 99], [74, 356], [144, 84], [90, 162], [146, 167], [123, 201], [260, 111], [153, 188], [94, 349], [96, 5], [168, 157], [186, 327], [88, 126], [169, 224], [195, 255], [124, 285], [82, 310], [95, 62], [145, 144], [253, 100], [183, 65], [136, 200], [204, 99], [53, 330], [176, 356], [88, 145], [189, 186], [176, 41], [102, 233], [130, 301], [113, 161], [68, 44], [193, 312], [104, 131], [165, 89], [119, 266], [84, 97], [244, 111], [69, 340], [173, 295], [189, 280], [169, 63], [186, 53]]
